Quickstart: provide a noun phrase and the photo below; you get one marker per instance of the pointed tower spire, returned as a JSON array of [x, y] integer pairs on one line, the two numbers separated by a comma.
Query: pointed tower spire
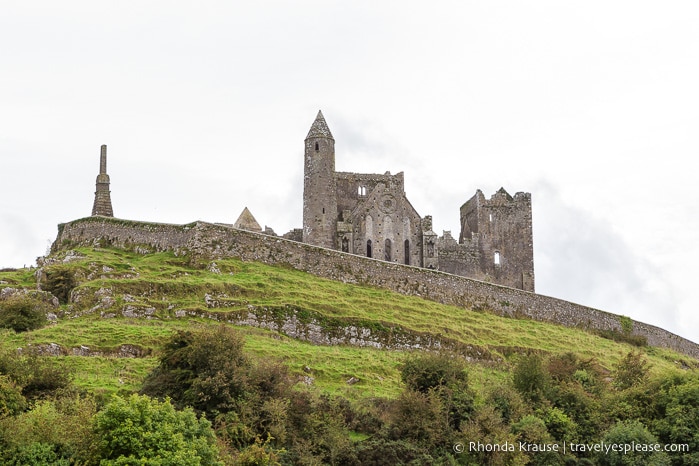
[[319, 128], [103, 201]]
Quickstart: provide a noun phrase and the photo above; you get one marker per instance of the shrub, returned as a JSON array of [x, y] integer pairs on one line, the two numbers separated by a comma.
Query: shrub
[[632, 370], [42, 377], [59, 281], [630, 433], [421, 373], [140, 430], [530, 379], [22, 313], [11, 400], [206, 370], [34, 453], [50, 432]]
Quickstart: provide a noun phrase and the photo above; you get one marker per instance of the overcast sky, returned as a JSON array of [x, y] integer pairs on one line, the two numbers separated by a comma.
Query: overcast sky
[[592, 106]]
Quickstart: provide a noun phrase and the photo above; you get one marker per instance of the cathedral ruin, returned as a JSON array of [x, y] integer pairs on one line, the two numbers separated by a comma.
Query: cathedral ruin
[[370, 215]]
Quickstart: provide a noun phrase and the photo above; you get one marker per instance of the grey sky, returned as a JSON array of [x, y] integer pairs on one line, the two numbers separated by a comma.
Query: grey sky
[[590, 106]]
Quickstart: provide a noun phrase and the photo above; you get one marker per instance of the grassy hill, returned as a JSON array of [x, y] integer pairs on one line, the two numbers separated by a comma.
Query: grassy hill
[[125, 304]]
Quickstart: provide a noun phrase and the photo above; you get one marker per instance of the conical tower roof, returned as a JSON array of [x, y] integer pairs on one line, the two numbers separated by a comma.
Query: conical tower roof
[[319, 128], [246, 221]]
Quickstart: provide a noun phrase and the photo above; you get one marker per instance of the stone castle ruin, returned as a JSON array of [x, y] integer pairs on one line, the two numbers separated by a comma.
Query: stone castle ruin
[[370, 215], [361, 228]]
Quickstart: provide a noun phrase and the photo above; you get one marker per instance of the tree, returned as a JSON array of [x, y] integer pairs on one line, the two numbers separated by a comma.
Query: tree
[[530, 378], [144, 431], [630, 433], [443, 376], [680, 423], [531, 430], [206, 370], [632, 370]]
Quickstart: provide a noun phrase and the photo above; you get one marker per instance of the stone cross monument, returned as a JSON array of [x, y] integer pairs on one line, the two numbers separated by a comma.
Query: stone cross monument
[[103, 202]]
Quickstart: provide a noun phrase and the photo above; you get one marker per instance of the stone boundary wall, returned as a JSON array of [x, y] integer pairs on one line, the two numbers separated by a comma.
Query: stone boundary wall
[[206, 241]]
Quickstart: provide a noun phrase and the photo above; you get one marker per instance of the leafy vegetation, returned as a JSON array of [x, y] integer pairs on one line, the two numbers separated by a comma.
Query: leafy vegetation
[[143, 368], [22, 313]]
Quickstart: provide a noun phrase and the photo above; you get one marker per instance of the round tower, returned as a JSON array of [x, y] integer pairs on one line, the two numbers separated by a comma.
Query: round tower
[[319, 186]]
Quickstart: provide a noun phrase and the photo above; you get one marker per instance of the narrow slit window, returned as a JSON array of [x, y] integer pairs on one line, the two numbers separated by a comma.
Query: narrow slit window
[[496, 258], [406, 252], [317, 147], [368, 248]]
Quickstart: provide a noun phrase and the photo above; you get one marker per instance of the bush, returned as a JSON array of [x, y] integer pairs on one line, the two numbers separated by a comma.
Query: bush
[[442, 376], [530, 378], [11, 400], [140, 430], [37, 376], [59, 281], [52, 430], [22, 313], [632, 370], [34, 453], [206, 370], [629, 433], [428, 371]]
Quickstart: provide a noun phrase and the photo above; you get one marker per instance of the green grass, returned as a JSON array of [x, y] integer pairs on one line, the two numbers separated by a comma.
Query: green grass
[[167, 284]]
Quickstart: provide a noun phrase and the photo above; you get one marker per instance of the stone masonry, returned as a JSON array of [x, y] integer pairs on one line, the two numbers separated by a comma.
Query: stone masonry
[[206, 242], [370, 215], [103, 201]]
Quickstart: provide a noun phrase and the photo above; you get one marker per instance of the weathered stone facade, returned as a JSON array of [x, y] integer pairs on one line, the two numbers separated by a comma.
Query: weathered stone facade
[[370, 215], [206, 242]]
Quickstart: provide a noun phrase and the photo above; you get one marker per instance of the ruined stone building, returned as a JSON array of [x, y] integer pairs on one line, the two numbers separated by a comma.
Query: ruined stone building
[[370, 215]]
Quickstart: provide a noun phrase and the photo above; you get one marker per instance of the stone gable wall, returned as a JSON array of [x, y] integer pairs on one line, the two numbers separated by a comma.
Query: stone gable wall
[[206, 242]]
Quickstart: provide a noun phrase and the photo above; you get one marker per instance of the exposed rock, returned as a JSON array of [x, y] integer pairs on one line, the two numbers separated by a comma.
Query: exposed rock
[[213, 268], [51, 349], [135, 312], [81, 351], [44, 296], [352, 381], [307, 380]]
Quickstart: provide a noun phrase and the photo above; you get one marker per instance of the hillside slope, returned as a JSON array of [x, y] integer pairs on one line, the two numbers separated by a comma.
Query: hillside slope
[[120, 306]]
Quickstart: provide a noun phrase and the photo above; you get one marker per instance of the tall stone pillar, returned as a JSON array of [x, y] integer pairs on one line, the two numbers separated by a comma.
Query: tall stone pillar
[[103, 201]]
